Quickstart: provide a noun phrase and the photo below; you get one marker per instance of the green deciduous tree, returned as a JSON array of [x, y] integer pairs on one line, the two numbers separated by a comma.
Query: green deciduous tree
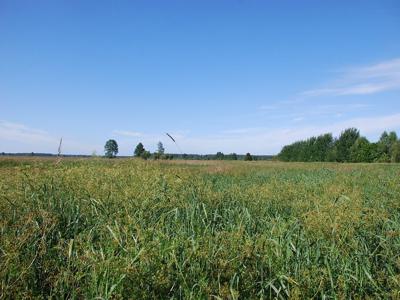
[[345, 142], [139, 150], [145, 155], [159, 154], [160, 148], [232, 156], [331, 155], [111, 148], [248, 157], [385, 146], [323, 145], [363, 151], [219, 156], [395, 158]]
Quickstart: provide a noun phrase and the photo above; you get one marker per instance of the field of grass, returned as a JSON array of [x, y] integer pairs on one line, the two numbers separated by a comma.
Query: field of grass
[[122, 228]]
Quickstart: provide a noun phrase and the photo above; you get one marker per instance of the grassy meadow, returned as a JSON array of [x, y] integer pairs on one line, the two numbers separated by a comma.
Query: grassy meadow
[[127, 228]]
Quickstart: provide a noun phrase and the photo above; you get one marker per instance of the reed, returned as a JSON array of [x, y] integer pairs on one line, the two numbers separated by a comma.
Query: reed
[[96, 228]]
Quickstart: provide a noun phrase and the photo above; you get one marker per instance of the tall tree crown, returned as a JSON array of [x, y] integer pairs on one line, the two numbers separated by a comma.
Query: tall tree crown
[[111, 148], [139, 150]]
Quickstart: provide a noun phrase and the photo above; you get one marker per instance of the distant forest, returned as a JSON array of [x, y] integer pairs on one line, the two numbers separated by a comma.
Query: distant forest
[[350, 146], [218, 156]]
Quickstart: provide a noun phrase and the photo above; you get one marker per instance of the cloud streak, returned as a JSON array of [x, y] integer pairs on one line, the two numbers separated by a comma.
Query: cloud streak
[[17, 137], [127, 133], [23, 134], [384, 76]]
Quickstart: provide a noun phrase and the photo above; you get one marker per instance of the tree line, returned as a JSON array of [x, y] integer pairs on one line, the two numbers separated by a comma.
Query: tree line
[[111, 151], [350, 146]]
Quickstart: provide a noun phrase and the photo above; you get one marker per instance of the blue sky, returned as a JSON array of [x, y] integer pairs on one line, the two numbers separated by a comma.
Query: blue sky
[[231, 76]]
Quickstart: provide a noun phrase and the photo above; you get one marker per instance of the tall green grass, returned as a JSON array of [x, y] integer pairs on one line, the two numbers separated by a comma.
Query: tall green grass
[[224, 230]]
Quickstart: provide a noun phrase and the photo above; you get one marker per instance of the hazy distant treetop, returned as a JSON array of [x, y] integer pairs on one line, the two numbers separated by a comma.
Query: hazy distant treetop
[[111, 148], [219, 155], [160, 148], [248, 157], [233, 156], [139, 150], [145, 155]]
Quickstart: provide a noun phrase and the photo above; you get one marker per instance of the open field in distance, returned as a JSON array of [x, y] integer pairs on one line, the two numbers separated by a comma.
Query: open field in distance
[[127, 228]]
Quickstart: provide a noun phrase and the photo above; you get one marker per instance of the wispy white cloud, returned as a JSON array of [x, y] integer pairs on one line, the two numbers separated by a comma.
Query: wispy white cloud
[[298, 119], [308, 112], [369, 125], [17, 137], [364, 80], [327, 110], [21, 133], [127, 133]]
